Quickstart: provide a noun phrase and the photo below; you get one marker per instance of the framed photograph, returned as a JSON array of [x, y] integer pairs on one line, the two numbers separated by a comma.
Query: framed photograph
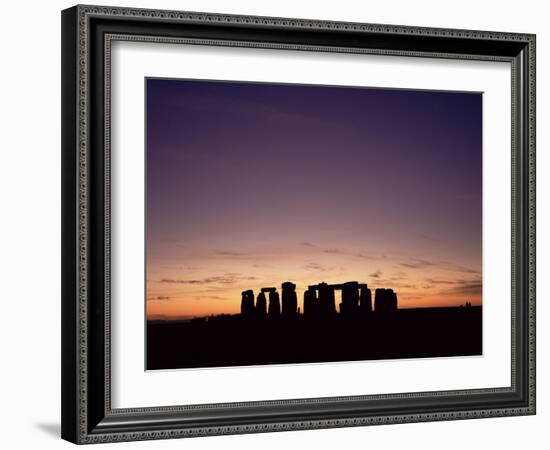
[[277, 224]]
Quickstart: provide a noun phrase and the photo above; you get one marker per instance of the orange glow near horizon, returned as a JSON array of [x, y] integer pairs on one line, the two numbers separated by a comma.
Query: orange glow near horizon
[[212, 281]]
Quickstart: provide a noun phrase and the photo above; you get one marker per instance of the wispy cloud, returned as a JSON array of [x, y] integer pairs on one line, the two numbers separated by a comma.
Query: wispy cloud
[[464, 269], [413, 297], [445, 265], [210, 297], [432, 281], [174, 242], [466, 288], [159, 298], [426, 237], [333, 251], [417, 264], [226, 279], [376, 274], [371, 256], [315, 266], [229, 253], [307, 244], [395, 284], [341, 251], [321, 268]]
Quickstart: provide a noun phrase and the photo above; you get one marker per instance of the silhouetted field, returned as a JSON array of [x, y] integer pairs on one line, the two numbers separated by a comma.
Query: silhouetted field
[[239, 341]]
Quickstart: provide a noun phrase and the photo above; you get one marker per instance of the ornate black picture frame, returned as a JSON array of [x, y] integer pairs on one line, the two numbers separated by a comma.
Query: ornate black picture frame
[[87, 34]]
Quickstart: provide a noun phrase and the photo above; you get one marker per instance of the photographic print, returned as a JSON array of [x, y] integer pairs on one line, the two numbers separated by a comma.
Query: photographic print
[[290, 223], [336, 220]]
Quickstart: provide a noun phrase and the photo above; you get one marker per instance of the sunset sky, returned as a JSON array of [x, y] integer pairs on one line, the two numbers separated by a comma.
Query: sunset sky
[[250, 185]]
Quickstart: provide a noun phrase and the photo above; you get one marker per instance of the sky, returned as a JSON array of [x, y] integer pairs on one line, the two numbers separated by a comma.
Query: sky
[[250, 185]]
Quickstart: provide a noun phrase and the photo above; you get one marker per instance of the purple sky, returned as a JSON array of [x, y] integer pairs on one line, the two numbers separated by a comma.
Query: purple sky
[[251, 184]]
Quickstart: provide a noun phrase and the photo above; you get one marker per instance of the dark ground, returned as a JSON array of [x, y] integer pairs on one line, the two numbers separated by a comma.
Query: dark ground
[[236, 341]]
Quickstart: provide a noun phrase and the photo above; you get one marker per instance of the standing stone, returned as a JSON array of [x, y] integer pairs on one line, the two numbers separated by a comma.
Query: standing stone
[[350, 298], [274, 309], [310, 303], [392, 298], [247, 303], [327, 300], [385, 300], [380, 300], [290, 301], [261, 305], [365, 299]]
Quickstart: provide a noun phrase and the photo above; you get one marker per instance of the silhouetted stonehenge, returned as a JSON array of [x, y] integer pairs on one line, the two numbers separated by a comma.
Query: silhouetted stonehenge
[[319, 301]]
